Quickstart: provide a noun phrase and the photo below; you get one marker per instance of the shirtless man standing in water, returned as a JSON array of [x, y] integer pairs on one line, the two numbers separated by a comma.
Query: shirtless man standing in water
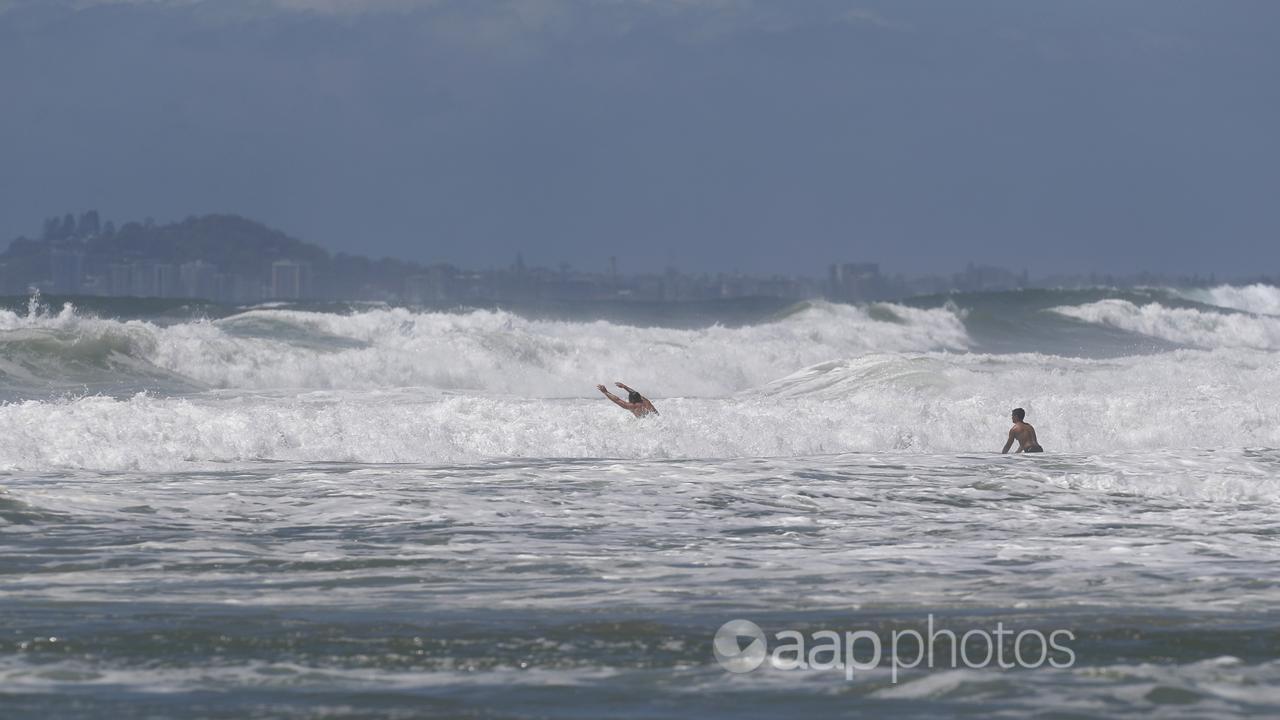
[[638, 404], [1023, 433]]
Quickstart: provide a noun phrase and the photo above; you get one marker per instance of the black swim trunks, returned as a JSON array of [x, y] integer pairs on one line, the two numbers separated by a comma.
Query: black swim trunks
[[1034, 448]]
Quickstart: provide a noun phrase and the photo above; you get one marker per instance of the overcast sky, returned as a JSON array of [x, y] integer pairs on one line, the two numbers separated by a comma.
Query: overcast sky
[[755, 135]]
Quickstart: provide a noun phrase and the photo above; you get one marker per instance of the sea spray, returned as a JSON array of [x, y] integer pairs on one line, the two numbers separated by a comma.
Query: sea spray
[[1184, 326], [926, 403], [487, 351]]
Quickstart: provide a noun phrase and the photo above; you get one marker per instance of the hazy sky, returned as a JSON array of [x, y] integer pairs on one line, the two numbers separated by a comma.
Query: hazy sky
[[710, 134]]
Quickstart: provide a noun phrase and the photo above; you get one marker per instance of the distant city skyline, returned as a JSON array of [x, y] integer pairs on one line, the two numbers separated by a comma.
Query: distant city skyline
[[706, 134], [232, 259]]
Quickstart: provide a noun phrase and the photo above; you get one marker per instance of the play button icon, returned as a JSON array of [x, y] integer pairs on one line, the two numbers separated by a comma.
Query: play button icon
[[740, 646]]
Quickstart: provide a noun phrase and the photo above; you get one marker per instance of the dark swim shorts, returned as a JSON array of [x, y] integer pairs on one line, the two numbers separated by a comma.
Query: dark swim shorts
[[1034, 448]]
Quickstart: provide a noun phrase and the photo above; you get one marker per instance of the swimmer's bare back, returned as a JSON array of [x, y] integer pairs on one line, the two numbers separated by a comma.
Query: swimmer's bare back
[[1023, 433]]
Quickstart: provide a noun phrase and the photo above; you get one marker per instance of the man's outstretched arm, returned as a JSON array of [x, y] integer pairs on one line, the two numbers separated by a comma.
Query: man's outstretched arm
[[1008, 444], [617, 400]]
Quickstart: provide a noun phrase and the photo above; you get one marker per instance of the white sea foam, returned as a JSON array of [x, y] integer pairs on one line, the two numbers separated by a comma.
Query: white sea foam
[[1256, 298], [832, 460], [921, 403], [482, 351], [1185, 326], [392, 385]]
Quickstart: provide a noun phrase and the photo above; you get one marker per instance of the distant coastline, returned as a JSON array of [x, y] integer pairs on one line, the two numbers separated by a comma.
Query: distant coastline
[[232, 259]]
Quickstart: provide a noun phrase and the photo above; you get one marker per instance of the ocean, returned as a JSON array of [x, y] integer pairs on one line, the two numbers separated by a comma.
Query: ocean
[[365, 511]]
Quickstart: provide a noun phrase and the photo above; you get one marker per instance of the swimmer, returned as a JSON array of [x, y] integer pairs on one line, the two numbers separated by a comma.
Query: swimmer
[[1023, 433], [638, 404]]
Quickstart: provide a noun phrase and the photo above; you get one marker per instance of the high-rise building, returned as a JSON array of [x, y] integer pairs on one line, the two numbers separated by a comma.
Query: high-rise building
[[855, 282], [196, 280], [66, 270], [119, 279], [166, 280], [289, 280]]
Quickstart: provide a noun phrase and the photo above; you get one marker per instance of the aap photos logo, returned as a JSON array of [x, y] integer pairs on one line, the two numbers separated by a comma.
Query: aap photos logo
[[740, 646]]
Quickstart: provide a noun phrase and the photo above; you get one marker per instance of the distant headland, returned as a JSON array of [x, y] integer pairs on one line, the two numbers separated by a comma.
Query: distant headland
[[231, 259]]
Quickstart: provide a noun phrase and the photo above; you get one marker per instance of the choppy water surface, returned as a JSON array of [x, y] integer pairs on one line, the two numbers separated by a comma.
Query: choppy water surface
[[387, 513]]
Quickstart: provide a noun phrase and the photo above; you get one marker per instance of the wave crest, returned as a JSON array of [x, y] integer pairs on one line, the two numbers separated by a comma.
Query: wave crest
[[1184, 326], [1256, 298], [478, 351], [932, 403]]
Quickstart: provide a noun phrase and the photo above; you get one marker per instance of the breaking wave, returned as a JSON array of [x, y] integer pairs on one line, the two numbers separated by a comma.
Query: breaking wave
[[1256, 298], [932, 402], [398, 385], [1184, 326], [478, 351]]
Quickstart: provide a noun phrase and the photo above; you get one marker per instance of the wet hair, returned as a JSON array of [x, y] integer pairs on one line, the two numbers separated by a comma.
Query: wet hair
[[634, 397], [1019, 413]]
